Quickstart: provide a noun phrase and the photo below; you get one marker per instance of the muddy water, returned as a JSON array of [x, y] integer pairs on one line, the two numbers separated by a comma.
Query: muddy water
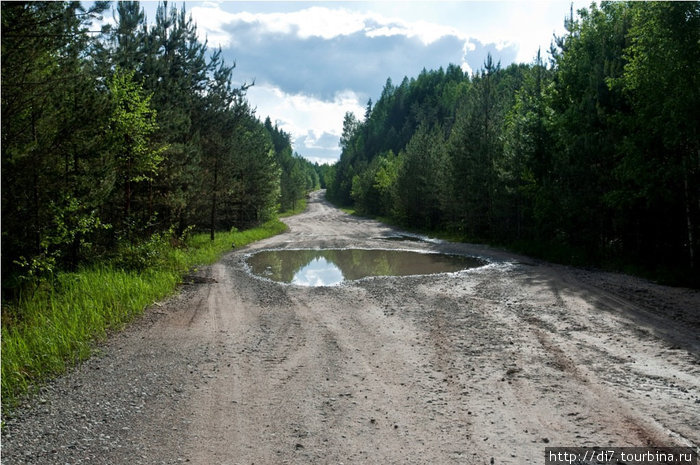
[[331, 267]]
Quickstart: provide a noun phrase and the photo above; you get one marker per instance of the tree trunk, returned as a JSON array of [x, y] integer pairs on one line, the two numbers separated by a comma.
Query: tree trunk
[[212, 224], [689, 220]]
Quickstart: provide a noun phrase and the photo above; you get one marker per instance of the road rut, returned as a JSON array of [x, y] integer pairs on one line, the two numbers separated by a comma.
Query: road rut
[[489, 365]]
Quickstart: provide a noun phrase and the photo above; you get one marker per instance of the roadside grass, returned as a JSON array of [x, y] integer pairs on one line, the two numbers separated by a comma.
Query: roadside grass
[[300, 207], [55, 327]]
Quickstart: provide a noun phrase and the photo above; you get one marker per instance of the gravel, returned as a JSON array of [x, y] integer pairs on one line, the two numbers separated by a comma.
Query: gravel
[[489, 365]]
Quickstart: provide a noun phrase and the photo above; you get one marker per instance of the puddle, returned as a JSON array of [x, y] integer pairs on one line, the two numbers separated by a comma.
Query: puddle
[[331, 267]]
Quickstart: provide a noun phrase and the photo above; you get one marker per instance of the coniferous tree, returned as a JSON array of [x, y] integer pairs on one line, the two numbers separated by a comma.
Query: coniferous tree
[[110, 137], [47, 147], [421, 176], [659, 173], [474, 150], [592, 159]]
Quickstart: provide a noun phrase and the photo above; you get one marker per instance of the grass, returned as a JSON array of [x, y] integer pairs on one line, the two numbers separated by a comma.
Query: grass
[[57, 326], [300, 207]]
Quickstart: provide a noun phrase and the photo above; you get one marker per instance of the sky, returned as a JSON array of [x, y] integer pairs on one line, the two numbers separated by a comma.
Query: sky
[[312, 62]]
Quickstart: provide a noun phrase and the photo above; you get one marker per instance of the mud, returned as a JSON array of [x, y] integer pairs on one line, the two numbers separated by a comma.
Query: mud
[[488, 365]]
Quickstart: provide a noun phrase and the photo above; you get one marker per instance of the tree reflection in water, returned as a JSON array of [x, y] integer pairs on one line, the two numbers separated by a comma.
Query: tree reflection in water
[[333, 266]]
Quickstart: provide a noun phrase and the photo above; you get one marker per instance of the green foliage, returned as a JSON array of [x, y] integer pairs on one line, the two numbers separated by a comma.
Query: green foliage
[[53, 328], [51, 138], [298, 175], [419, 187], [592, 159], [109, 140], [386, 181], [114, 146], [300, 207], [527, 156], [658, 175], [130, 125], [390, 124], [143, 254], [325, 174], [135, 159], [475, 148]]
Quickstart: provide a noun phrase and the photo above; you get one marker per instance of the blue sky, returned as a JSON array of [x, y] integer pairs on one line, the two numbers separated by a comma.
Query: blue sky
[[313, 61]]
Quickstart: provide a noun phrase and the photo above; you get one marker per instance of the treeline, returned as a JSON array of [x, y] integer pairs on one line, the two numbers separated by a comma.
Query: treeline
[[591, 158], [298, 175], [116, 137]]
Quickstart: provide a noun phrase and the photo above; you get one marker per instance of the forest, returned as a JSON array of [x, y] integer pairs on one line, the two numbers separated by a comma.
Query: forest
[[591, 157], [116, 137]]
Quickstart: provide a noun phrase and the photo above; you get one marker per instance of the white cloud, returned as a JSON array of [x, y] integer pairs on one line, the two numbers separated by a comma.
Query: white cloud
[[311, 22], [521, 25], [318, 272], [469, 46], [322, 22], [306, 33], [300, 58], [315, 125], [105, 19], [316, 21], [527, 24], [323, 141], [210, 19], [428, 33], [296, 112]]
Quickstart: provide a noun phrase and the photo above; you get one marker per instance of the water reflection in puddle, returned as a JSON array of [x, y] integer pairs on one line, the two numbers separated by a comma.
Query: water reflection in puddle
[[331, 267]]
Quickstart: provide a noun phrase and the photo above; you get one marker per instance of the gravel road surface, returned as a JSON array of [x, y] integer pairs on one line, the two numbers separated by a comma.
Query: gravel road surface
[[489, 365]]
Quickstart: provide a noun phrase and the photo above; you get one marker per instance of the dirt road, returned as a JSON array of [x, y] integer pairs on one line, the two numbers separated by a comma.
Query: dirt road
[[490, 365]]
